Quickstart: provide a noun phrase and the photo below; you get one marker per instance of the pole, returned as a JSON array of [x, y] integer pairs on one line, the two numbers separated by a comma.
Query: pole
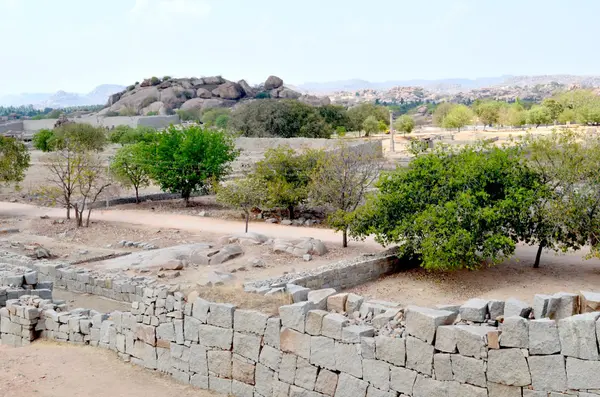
[[392, 144]]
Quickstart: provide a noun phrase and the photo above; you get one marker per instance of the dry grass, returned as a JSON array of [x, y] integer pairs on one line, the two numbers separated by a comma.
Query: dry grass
[[243, 300]]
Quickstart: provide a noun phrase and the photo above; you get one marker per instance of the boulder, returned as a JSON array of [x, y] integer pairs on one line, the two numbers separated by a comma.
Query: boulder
[[193, 104], [229, 90], [114, 98], [138, 99], [157, 107], [175, 96], [203, 93], [41, 253], [226, 253], [287, 93], [314, 100], [248, 91], [273, 82], [217, 80]]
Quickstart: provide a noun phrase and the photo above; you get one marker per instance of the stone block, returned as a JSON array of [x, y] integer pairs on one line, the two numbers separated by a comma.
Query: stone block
[[548, 373], [264, 379], [422, 322], [515, 307], [350, 386], [270, 357], [348, 359], [306, 374], [578, 336], [179, 331], [280, 389], [319, 297], [474, 310], [240, 389], [322, 352], [294, 316], [298, 293], [442, 367], [391, 350], [243, 370], [31, 278], [459, 390], [427, 387], [353, 303], [191, 328], [541, 304], [589, 301], [498, 390], [583, 374], [287, 368], [166, 331], [294, 342], [199, 381], [333, 324], [402, 380], [419, 356], [515, 332], [381, 320], [250, 321], [471, 340], [543, 337], [222, 386], [272, 332], [496, 308], [215, 337], [296, 391], [326, 382], [219, 363], [493, 339], [565, 305], [367, 347], [200, 309], [247, 345], [508, 367], [375, 392], [468, 370], [198, 360], [221, 315], [337, 303], [377, 373], [445, 340], [355, 333], [314, 321]]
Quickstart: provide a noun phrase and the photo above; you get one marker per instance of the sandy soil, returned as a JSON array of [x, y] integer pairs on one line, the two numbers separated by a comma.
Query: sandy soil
[[46, 369]]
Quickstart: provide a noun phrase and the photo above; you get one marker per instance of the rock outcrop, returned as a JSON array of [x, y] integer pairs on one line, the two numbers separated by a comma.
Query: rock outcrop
[[165, 96]]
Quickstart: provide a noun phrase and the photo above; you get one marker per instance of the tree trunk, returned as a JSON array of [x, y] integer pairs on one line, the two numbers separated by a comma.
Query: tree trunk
[[187, 200], [345, 238], [291, 212], [536, 265], [68, 205], [137, 195], [247, 220], [87, 221]]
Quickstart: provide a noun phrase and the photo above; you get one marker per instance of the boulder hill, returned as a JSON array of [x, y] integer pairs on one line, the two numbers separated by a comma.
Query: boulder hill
[[163, 96]]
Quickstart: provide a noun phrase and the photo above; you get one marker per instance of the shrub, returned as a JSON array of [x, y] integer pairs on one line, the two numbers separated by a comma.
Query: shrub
[[131, 88], [155, 80], [189, 115], [166, 78], [42, 140], [263, 95], [341, 131], [111, 113], [152, 114], [148, 101]]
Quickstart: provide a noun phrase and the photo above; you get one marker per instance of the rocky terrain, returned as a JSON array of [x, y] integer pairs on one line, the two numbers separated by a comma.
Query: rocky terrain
[[164, 96]]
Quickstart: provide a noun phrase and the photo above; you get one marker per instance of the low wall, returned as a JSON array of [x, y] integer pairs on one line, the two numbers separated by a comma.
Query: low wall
[[13, 126]]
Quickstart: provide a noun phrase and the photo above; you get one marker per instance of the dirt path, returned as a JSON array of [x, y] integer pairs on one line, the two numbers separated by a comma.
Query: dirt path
[[183, 222], [46, 369]]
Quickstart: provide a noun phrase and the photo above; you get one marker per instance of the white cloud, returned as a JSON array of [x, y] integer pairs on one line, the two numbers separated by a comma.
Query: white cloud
[[165, 8]]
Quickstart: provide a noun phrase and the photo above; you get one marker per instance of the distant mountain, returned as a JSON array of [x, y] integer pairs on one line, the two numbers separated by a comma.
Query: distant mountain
[[61, 99]]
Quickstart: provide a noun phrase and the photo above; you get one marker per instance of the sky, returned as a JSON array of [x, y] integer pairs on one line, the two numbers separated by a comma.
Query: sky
[[75, 45]]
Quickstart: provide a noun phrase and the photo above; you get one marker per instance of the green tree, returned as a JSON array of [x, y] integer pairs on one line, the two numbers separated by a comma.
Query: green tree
[[567, 116], [370, 125], [488, 112], [340, 181], [14, 160], [210, 116], [451, 208], [190, 159], [405, 124], [130, 167], [539, 115], [84, 136], [335, 115], [117, 133], [589, 113], [458, 117], [245, 194], [42, 140], [440, 113], [554, 107], [358, 114]]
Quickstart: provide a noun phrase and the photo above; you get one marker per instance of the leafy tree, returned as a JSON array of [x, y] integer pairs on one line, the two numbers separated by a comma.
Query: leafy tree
[[117, 133], [567, 116], [84, 136], [458, 117], [245, 193], [589, 113], [340, 181], [370, 125], [222, 121], [405, 124], [360, 113], [555, 108], [130, 166], [138, 134], [451, 208], [210, 116], [335, 115], [91, 182], [190, 159], [440, 113], [14, 160], [64, 164], [42, 140], [488, 112], [285, 176], [539, 115]]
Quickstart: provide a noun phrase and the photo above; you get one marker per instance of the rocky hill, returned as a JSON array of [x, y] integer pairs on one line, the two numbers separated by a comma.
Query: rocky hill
[[164, 96], [62, 99]]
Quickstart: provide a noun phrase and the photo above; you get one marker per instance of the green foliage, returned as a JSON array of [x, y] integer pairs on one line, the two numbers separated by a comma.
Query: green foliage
[[340, 131], [42, 140], [54, 114], [155, 80], [452, 209], [128, 111], [111, 113], [14, 160], [190, 159], [285, 176], [79, 135], [370, 125], [285, 118], [404, 124], [539, 115], [138, 134], [567, 116], [263, 95], [210, 116], [152, 114], [244, 193], [189, 115], [513, 115], [166, 78], [130, 166], [148, 101], [130, 88], [555, 108], [440, 113], [358, 114], [488, 112], [458, 117], [335, 115]]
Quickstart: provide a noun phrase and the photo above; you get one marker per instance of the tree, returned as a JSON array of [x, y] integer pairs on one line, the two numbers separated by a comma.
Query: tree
[[335, 115], [555, 108], [589, 113], [370, 125], [285, 176], [488, 112], [538, 115], [358, 114], [405, 124], [190, 159], [85, 136], [130, 167], [14, 160], [458, 117], [210, 117], [440, 113], [138, 134], [451, 208], [340, 181], [245, 193], [567, 116], [43, 139], [63, 165], [91, 182]]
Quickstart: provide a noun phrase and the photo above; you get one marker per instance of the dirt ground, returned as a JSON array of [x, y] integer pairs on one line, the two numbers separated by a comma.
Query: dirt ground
[[46, 369]]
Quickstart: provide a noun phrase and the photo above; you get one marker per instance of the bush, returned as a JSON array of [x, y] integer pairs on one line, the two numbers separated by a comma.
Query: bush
[[14, 160], [263, 95], [155, 80], [341, 131], [111, 113], [152, 114], [131, 88], [80, 136], [210, 116], [43, 139], [166, 78], [189, 115]]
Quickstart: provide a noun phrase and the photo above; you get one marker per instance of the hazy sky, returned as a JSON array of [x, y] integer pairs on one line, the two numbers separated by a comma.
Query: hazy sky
[[76, 45]]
